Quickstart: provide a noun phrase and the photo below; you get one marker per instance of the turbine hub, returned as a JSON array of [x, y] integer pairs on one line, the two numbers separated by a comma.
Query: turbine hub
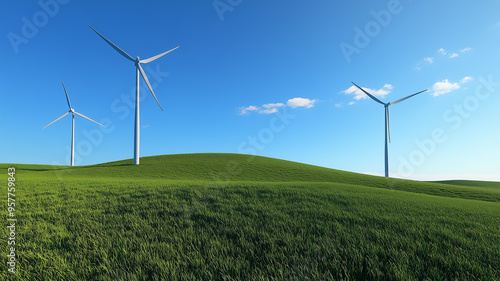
[[72, 110], [137, 61]]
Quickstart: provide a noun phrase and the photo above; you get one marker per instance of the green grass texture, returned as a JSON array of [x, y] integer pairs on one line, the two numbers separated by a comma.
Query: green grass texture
[[242, 217]]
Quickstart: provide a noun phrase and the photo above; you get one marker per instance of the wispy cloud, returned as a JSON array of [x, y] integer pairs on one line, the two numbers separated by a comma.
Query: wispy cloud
[[465, 50], [427, 60], [466, 79], [338, 105], [441, 53], [270, 108], [351, 103], [445, 86], [452, 55], [358, 94], [247, 109], [272, 105]]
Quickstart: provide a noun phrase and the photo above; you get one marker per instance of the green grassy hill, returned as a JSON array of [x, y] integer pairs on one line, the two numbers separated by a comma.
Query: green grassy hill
[[488, 184], [239, 217], [216, 168]]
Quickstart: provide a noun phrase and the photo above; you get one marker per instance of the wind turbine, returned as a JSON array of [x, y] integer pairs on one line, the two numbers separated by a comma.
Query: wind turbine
[[73, 112], [387, 122], [139, 69]]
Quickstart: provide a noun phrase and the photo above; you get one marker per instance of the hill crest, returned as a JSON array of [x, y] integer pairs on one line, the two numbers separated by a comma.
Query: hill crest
[[224, 168]]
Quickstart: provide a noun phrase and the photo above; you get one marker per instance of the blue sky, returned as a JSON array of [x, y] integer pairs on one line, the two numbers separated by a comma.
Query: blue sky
[[265, 77]]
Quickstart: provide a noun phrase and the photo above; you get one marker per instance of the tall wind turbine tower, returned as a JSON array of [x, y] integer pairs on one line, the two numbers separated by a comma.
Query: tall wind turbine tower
[[139, 69], [73, 112], [387, 122]]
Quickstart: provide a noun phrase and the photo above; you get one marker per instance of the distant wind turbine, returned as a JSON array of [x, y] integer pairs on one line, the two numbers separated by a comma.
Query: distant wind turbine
[[139, 69], [73, 112], [387, 122]]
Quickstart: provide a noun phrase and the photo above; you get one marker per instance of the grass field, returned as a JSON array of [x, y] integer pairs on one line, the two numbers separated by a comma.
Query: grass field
[[240, 217]]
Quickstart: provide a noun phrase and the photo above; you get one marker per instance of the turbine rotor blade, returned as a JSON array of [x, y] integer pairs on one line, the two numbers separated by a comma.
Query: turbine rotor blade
[[368, 94], [149, 85], [127, 56], [67, 97], [388, 123], [56, 120], [88, 118], [400, 100], [157, 56]]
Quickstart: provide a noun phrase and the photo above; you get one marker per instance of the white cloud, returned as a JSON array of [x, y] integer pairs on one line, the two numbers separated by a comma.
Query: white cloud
[[351, 103], [465, 50], [338, 105], [443, 52], [273, 105], [248, 109], [358, 94], [466, 79], [300, 102], [427, 60], [270, 108], [444, 87]]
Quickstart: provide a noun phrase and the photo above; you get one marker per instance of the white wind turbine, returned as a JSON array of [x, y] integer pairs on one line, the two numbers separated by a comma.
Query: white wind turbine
[[139, 69], [387, 121], [73, 112]]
